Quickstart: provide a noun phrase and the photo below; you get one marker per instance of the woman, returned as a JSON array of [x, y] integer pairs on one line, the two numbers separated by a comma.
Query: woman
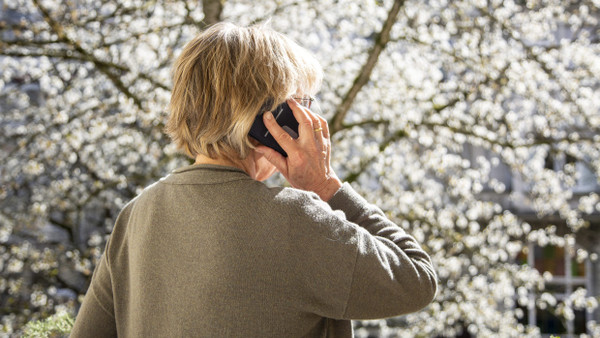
[[211, 251]]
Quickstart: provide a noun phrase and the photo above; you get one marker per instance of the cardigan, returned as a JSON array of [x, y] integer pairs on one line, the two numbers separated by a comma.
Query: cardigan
[[209, 252]]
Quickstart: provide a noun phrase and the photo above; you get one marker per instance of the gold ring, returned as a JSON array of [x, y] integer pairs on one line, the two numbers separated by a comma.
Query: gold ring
[[318, 129]]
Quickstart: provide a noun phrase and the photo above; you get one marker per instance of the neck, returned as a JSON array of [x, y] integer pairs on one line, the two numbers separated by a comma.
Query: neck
[[201, 159], [255, 164]]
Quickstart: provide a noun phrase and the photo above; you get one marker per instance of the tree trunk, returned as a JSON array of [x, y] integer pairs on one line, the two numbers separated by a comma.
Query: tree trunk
[[212, 11]]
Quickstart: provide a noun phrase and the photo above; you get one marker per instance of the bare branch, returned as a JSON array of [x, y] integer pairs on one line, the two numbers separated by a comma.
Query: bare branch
[[102, 66], [364, 163], [529, 50], [362, 79], [346, 126], [138, 35], [277, 10]]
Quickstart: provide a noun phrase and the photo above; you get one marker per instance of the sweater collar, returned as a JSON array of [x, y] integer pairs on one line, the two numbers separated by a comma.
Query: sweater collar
[[205, 174], [211, 167]]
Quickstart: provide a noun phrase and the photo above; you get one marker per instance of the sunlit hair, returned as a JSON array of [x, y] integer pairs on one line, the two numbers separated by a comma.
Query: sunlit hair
[[225, 77]]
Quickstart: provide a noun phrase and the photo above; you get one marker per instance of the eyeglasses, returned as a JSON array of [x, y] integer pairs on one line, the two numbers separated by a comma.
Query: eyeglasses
[[305, 101]]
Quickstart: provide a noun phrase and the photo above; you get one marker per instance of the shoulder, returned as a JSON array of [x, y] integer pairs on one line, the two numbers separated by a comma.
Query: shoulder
[[146, 198], [138, 202], [299, 200], [307, 208], [293, 197]]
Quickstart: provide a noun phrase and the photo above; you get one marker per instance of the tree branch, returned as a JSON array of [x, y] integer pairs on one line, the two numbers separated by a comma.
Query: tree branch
[[364, 163], [377, 122], [543, 65], [277, 10], [212, 12], [100, 65], [70, 55], [362, 79]]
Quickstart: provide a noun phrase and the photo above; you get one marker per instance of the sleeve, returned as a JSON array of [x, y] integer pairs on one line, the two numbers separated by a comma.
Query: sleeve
[[96, 315], [392, 275]]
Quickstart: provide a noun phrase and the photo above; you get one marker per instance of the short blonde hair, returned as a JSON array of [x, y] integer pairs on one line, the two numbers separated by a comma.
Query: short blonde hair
[[225, 77]]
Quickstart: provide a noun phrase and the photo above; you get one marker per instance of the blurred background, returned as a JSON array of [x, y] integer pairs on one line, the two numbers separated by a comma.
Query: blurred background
[[474, 124]]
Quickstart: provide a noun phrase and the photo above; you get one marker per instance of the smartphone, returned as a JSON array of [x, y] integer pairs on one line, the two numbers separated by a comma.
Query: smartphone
[[285, 118]]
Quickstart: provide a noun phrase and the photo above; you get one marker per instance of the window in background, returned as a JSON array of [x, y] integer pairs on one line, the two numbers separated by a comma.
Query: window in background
[[568, 275], [586, 179]]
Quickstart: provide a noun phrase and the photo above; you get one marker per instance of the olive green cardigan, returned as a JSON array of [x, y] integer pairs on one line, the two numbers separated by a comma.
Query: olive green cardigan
[[209, 252]]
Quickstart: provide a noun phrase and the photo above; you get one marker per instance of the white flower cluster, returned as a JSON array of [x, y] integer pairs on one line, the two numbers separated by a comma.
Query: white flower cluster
[[475, 113]]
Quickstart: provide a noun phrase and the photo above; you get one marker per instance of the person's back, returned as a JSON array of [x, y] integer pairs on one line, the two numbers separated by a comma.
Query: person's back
[[217, 256], [211, 251]]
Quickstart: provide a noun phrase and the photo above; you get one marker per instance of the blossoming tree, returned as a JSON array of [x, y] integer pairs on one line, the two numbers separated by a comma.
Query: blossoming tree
[[427, 101]]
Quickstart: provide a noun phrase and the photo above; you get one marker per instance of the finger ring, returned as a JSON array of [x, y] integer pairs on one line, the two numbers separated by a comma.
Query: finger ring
[[318, 129]]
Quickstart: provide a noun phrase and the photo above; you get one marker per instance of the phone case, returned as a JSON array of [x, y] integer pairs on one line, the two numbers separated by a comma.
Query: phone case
[[285, 118]]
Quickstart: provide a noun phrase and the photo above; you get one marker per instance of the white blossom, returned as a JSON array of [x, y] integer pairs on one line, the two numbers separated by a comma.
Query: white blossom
[[475, 113]]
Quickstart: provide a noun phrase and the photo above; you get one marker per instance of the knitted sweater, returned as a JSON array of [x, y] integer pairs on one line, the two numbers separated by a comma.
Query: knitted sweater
[[209, 252]]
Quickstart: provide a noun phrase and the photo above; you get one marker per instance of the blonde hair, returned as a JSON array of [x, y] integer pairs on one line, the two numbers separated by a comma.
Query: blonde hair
[[225, 77]]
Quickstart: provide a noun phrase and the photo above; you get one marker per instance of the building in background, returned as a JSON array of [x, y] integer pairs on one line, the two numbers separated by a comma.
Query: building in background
[[568, 268]]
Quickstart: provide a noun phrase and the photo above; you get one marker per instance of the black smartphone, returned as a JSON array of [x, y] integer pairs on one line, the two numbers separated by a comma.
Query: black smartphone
[[285, 118]]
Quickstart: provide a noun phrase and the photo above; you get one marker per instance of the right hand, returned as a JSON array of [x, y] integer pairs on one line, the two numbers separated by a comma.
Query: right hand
[[307, 166]]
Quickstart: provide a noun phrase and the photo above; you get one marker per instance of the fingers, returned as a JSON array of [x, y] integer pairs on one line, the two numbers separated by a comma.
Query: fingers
[[281, 136], [307, 166], [324, 125], [313, 135], [320, 131], [305, 122]]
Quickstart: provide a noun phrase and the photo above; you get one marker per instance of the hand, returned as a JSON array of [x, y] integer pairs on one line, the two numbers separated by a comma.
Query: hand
[[307, 166]]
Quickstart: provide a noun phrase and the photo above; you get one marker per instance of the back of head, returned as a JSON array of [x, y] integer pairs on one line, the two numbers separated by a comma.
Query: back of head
[[223, 79]]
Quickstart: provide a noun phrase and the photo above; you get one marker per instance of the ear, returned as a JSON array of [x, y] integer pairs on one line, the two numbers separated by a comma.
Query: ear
[[263, 168], [253, 141]]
